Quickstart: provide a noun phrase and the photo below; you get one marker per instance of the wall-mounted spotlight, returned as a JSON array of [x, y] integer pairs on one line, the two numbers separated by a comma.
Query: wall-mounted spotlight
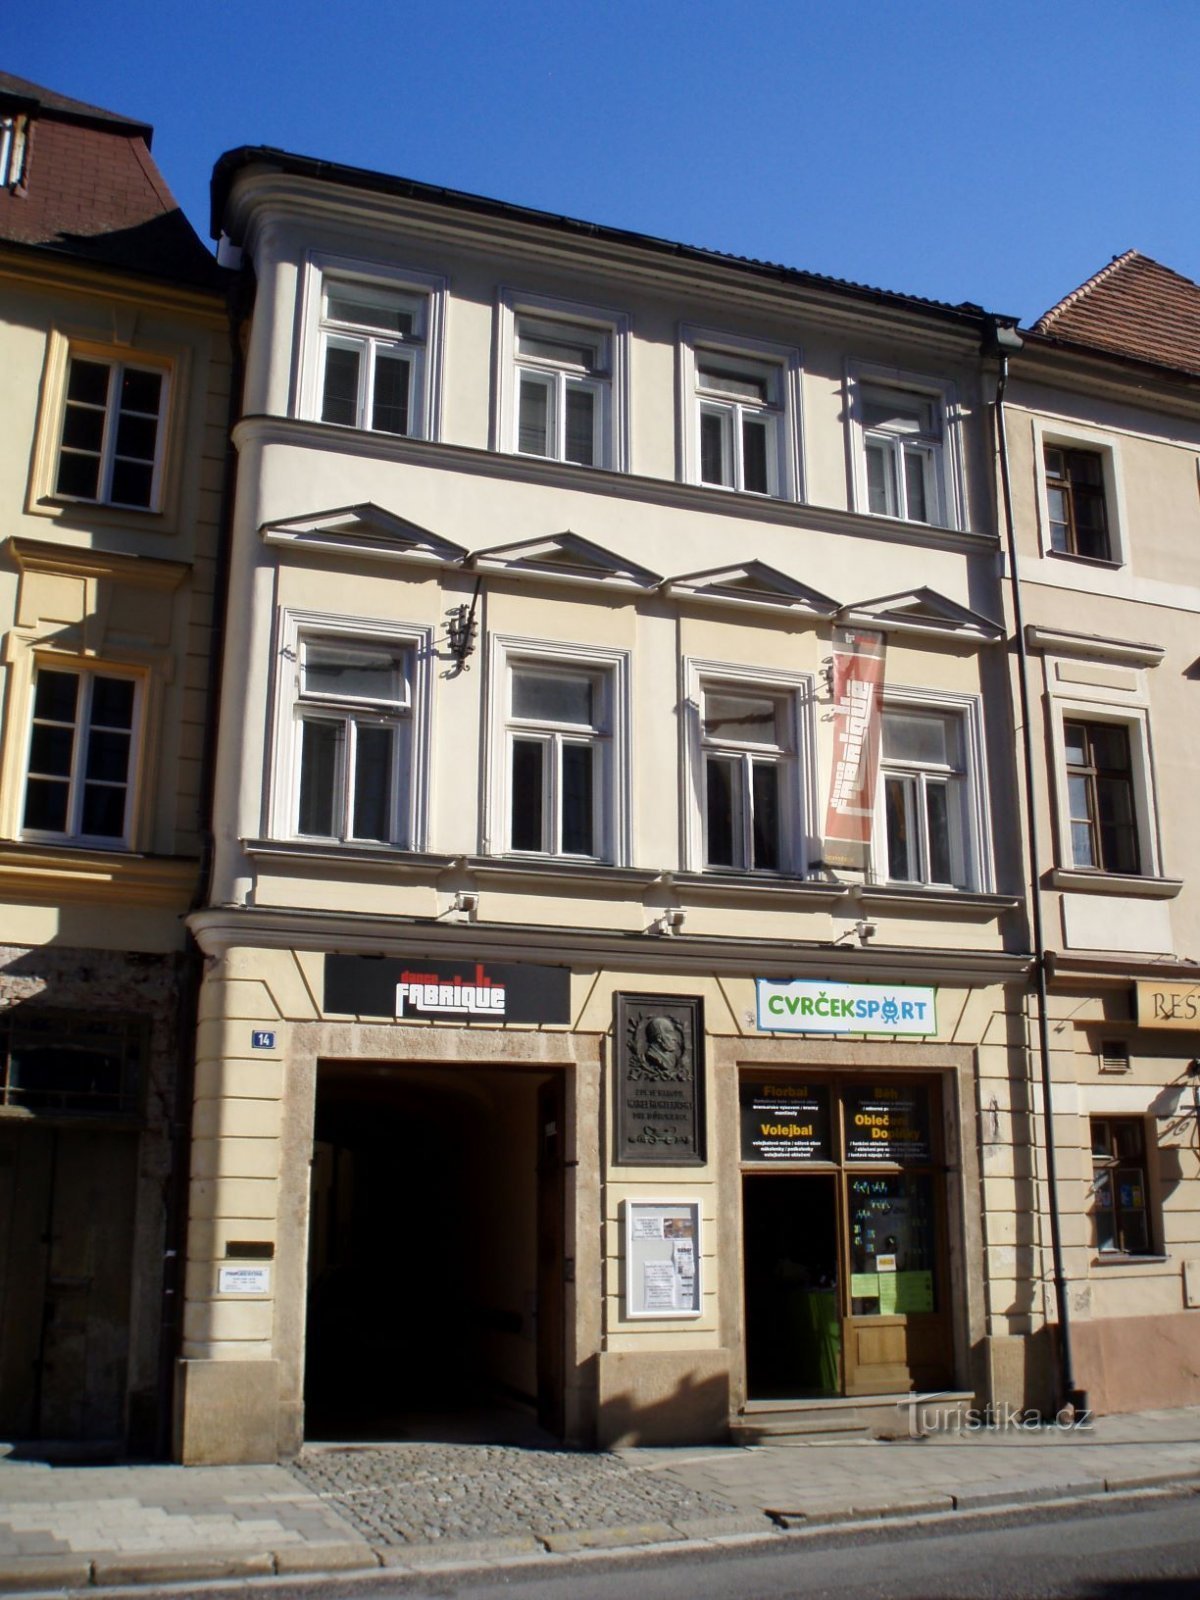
[[866, 931]]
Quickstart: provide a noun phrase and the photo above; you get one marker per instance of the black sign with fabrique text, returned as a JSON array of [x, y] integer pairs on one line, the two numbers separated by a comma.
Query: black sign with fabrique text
[[447, 991]]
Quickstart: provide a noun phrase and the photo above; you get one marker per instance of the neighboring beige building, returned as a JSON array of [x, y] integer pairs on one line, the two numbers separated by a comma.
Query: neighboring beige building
[[526, 1060], [1102, 414], [114, 372]]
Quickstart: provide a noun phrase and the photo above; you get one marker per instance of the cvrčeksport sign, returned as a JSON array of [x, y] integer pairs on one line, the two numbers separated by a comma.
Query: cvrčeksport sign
[[803, 1006]]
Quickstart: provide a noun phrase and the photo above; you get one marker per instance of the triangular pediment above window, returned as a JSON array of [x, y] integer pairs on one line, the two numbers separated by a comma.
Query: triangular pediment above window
[[364, 530], [752, 583], [564, 558], [923, 612]]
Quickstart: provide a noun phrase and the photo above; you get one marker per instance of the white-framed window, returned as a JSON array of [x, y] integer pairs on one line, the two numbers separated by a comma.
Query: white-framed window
[[931, 827], [372, 349], [353, 731], [1079, 493], [905, 447], [748, 748], [112, 434], [81, 763], [13, 145], [1105, 789], [559, 754], [562, 381], [740, 410]]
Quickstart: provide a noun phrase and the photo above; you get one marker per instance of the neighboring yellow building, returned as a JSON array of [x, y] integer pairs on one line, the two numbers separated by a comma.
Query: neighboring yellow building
[[536, 1056], [1102, 421], [114, 364]]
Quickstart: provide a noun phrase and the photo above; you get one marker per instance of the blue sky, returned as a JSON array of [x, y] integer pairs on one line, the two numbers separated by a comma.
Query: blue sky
[[996, 152]]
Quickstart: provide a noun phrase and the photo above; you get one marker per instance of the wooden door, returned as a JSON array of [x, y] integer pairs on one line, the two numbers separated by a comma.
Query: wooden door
[[66, 1244], [551, 1255]]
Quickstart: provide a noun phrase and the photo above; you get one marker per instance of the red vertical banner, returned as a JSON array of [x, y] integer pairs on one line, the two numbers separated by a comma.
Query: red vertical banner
[[858, 659]]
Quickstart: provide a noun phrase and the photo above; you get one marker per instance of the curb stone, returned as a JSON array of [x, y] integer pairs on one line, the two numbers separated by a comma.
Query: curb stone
[[459, 1552], [982, 1499], [715, 1527], [1158, 1480], [298, 1558], [44, 1572], [639, 1533], [110, 1572]]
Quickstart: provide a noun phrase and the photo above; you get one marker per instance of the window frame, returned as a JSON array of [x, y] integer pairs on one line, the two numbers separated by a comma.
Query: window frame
[[410, 810], [798, 802], [117, 362], [944, 455], [86, 671], [611, 804], [1113, 1164], [1135, 720], [781, 365], [970, 841], [611, 422], [320, 270], [1048, 433]]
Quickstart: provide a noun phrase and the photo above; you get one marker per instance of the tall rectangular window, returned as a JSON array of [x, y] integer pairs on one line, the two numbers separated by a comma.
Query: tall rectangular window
[[373, 342], [110, 447], [353, 728], [564, 382], [923, 775], [1120, 1211], [79, 773], [1100, 796], [748, 778], [739, 412], [559, 760], [1076, 502], [902, 444]]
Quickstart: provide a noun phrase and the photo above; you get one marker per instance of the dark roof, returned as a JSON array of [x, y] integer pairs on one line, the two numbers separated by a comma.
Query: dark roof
[[1133, 307], [34, 96], [91, 191], [233, 161]]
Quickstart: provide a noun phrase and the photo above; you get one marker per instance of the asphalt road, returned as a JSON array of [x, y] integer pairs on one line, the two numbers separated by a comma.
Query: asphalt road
[[1130, 1549]]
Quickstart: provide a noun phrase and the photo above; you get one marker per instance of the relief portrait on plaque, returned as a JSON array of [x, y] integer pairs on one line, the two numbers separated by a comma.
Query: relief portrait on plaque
[[658, 1046]]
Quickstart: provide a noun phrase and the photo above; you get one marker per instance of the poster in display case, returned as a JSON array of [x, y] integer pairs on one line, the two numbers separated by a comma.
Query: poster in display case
[[662, 1258]]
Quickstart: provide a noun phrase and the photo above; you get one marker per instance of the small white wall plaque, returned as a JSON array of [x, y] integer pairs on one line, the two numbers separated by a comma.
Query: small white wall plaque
[[243, 1280]]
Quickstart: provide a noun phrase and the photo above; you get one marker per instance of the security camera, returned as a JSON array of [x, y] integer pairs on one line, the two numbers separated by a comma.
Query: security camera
[[866, 931]]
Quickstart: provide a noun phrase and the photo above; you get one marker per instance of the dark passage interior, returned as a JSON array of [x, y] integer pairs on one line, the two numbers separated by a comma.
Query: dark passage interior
[[793, 1327], [430, 1255]]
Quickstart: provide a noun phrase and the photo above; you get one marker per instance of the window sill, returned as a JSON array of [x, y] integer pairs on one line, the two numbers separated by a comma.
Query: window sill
[[1079, 880], [969, 904], [1103, 563], [1117, 1258], [702, 887]]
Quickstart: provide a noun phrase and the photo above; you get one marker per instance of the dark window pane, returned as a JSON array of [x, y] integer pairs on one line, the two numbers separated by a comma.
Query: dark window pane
[[881, 491], [389, 412], [766, 817], [373, 783], [83, 429], [742, 717], [896, 813], [534, 420], [720, 776], [132, 484], [527, 762], [46, 805], [107, 755], [88, 382], [318, 776], [56, 696], [937, 820], [103, 811], [65, 1079], [577, 800], [51, 750], [141, 391], [78, 475], [914, 486], [339, 398], [112, 702], [581, 410], [754, 457], [1110, 746], [137, 438], [713, 466]]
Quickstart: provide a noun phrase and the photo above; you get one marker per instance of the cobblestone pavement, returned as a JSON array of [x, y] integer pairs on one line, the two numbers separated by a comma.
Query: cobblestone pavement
[[422, 1493]]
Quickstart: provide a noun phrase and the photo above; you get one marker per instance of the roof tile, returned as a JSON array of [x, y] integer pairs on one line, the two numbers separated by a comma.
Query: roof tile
[[1132, 307]]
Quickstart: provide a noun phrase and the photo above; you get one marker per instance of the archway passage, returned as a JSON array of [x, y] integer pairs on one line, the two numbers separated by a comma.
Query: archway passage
[[436, 1248]]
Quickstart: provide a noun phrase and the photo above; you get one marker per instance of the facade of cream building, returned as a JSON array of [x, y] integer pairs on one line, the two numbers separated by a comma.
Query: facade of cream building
[[1103, 434], [113, 349], [534, 1055]]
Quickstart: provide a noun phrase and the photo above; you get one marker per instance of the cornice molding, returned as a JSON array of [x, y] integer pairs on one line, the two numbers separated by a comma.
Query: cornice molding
[[96, 877], [144, 572], [1093, 647]]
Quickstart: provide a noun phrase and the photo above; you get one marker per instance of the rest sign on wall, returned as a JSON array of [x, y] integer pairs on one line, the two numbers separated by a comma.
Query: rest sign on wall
[[804, 1006]]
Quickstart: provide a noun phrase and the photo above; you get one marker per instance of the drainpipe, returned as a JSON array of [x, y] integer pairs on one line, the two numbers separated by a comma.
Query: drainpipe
[[1001, 340], [179, 1181]]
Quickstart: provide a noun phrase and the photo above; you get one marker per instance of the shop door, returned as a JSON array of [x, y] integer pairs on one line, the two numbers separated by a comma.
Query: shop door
[[66, 1225], [793, 1315], [551, 1259]]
